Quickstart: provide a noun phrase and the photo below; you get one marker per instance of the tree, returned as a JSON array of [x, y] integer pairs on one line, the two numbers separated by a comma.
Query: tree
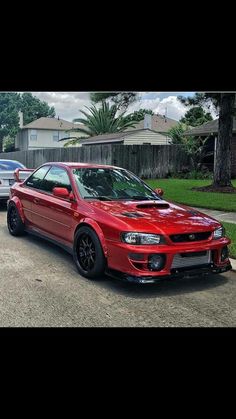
[[33, 108], [121, 99], [225, 102], [140, 114], [202, 99], [196, 116], [11, 103], [194, 146], [222, 172], [102, 120], [8, 144], [176, 133], [9, 119]]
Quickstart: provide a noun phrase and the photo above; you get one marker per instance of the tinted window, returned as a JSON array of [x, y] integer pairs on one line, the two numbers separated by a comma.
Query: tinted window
[[111, 184], [56, 177], [34, 181], [10, 165]]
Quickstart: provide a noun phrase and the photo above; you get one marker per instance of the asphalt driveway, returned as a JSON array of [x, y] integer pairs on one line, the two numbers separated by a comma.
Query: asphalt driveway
[[40, 286]]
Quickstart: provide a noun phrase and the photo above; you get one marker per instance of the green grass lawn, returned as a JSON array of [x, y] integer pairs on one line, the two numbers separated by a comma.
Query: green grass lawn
[[179, 190], [231, 233]]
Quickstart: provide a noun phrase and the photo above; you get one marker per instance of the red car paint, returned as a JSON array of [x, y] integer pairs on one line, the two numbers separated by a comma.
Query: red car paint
[[58, 219]]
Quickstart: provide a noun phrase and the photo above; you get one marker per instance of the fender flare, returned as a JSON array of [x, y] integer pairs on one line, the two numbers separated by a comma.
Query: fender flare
[[19, 207], [95, 226]]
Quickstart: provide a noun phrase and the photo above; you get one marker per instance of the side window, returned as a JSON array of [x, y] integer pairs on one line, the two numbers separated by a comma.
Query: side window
[[34, 181], [56, 177]]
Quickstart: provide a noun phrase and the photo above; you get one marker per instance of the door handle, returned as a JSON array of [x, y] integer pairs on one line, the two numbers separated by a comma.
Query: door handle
[[36, 201]]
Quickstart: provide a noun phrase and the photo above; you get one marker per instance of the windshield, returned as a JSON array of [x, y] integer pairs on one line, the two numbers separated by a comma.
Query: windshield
[[111, 184], [10, 165]]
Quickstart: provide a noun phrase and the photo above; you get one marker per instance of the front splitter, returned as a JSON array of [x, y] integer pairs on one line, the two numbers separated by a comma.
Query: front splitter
[[175, 274]]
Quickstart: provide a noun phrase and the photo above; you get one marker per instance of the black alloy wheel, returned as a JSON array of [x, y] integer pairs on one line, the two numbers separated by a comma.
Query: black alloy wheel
[[15, 225], [88, 253]]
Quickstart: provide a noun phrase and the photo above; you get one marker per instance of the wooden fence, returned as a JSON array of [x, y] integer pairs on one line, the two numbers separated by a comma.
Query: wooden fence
[[146, 161]]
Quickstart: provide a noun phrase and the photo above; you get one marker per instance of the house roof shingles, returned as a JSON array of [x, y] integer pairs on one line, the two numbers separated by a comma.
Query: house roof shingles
[[159, 124], [208, 128], [51, 124]]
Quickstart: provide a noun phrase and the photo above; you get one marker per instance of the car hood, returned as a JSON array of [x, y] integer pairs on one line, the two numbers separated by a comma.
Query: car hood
[[159, 216]]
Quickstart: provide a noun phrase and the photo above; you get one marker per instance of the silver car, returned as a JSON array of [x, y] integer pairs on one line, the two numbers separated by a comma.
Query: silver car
[[7, 168]]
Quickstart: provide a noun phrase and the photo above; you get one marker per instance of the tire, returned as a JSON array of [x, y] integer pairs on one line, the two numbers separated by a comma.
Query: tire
[[88, 253], [14, 223]]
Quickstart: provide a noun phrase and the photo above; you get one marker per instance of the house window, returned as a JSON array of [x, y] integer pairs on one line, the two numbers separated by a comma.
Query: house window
[[56, 136], [33, 135]]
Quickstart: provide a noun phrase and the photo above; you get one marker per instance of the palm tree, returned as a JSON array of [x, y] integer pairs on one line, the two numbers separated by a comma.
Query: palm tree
[[102, 121]]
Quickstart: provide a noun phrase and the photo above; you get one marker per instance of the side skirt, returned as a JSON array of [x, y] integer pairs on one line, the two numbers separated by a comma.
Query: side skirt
[[44, 237]]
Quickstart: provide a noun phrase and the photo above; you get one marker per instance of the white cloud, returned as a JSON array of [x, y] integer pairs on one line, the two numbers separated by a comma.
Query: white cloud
[[169, 105], [68, 104]]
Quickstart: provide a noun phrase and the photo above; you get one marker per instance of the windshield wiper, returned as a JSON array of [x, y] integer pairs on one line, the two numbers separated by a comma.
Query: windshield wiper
[[101, 198]]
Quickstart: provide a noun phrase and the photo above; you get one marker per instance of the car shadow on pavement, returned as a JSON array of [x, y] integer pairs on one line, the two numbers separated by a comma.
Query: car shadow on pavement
[[166, 288], [162, 289]]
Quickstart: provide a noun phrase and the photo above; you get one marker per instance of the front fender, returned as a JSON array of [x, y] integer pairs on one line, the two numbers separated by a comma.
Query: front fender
[[94, 225], [18, 205]]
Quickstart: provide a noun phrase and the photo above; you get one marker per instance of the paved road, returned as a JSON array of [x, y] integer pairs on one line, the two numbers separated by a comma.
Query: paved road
[[39, 286]]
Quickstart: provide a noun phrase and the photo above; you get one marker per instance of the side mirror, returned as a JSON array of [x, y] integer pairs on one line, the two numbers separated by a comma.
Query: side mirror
[[61, 193], [159, 191], [72, 197]]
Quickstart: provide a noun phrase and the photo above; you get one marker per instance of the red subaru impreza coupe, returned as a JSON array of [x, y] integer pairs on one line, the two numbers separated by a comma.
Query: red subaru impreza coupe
[[112, 222]]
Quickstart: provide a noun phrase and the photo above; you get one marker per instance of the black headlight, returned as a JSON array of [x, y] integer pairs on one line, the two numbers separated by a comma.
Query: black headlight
[[219, 233], [142, 238]]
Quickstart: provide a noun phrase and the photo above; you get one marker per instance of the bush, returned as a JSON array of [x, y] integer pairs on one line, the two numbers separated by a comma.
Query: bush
[[8, 144], [192, 174]]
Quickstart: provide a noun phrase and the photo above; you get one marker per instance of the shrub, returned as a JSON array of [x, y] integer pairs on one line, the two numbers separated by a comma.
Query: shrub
[[192, 174]]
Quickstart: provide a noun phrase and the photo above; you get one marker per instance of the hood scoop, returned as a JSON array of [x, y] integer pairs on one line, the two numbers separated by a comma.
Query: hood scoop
[[157, 206], [132, 214]]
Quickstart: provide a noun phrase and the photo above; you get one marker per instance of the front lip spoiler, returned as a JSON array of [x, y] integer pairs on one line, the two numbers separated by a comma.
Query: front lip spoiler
[[175, 274]]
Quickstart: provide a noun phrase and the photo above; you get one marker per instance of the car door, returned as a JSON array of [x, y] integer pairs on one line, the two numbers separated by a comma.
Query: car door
[[51, 214], [28, 191]]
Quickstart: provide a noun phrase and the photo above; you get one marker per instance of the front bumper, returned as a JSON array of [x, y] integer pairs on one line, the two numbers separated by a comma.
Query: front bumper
[[175, 274], [120, 263]]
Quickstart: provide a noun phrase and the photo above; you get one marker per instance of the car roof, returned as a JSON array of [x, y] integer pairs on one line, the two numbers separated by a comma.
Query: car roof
[[80, 165]]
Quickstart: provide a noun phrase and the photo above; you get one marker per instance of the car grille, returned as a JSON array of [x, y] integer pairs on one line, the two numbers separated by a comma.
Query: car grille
[[189, 259], [190, 237]]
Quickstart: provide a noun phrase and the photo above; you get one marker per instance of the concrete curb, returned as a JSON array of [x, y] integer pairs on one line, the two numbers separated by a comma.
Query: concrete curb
[[233, 263]]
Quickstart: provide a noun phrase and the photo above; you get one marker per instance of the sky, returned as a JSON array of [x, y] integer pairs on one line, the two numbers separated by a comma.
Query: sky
[[68, 104]]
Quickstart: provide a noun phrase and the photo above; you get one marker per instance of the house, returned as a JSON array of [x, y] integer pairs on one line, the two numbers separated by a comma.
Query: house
[[210, 130], [158, 123], [141, 136], [44, 133]]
